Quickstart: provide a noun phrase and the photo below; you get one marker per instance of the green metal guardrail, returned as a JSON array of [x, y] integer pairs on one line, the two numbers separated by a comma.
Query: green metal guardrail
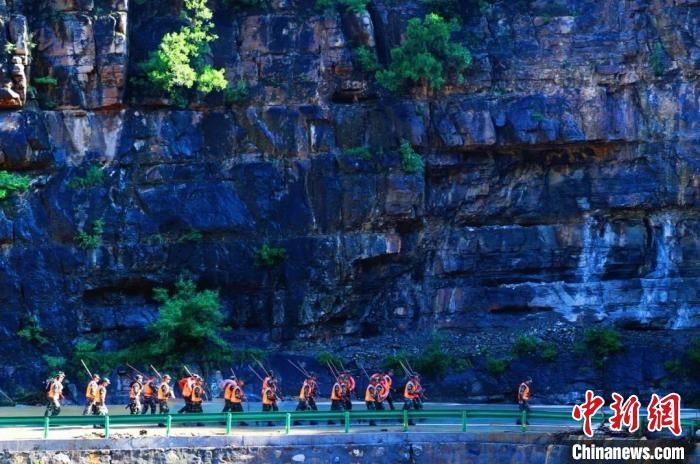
[[289, 418]]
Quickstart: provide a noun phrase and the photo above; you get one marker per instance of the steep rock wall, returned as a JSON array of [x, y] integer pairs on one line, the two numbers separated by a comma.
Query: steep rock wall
[[560, 189]]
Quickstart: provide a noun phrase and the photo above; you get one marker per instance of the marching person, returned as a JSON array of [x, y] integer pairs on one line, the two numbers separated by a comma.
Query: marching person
[[338, 393], [351, 385], [386, 381], [237, 397], [411, 395], [229, 387], [54, 395], [197, 396], [149, 396], [306, 399], [135, 390], [186, 384], [165, 392], [371, 395], [91, 394], [269, 399], [99, 408], [524, 399]]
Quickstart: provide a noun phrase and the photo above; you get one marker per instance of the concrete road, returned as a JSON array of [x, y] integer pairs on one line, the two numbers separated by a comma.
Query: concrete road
[[185, 430]]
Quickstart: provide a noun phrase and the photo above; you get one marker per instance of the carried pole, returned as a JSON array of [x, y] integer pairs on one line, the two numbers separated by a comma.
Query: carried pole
[[135, 370], [156, 371], [86, 368]]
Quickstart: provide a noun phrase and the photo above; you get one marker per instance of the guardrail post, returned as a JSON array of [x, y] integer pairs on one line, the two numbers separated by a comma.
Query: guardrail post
[[106, 426], [405, 420], [229, 421], [347, 422], [523, 420], [46, 427], [168, 425], [287, 423], [464, 421]]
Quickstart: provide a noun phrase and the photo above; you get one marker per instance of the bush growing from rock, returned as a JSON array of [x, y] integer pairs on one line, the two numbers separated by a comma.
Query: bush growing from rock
[[426, 56]]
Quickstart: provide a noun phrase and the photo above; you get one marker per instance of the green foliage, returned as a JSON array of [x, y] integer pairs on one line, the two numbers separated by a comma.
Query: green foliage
[[525, 345], [10, 48], [446, 8], [328, 6], [426, 56], [656, 60], [88, 241], [31, 331], [97, 360], [188, 328], [602, 343], [433, 361], [366, 59], [675, 367], [54, 363], [359, 152], [324, 357], [93, 177], [45, 80], [411, 162], [192, 235], [178, 65], [10, 182], [549, 351], [269, 256], [393, 361], [497, 366], [236, 93]]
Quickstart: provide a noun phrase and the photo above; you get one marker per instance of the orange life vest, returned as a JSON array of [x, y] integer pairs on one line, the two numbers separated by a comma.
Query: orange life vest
[[305, 391], [163, 392], [91, 390], [268, 396], [148, 390], [523, 392], [370, 393], [101, 395], [336, 393], [185, 385], [351, 383], [236, 394], [196, 394], [228, 391], [410, 391]]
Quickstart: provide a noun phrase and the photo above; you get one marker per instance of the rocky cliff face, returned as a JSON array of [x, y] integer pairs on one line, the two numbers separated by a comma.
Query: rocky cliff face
[[560, 189]]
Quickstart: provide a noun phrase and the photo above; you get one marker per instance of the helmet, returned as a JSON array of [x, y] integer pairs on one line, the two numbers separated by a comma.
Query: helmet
[[106, 380], [166, 377]]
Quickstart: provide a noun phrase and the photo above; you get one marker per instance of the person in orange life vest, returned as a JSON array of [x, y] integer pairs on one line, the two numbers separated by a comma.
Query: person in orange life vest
[[372, 397], [99, 408], [306, 396], [267, 382], [386, 381], [197, 396], [419, 391], [165, 392], [269, 398], [237, 397], [135, 391], [186, 384], [411, 394], [54, 395], [229, 386], [524, 392], [91, 393], [149, 396], [338, 394]]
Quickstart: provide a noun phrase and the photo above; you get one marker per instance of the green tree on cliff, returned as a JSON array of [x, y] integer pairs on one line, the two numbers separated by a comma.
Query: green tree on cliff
[[426, 56], [178, 62], [188, 329]]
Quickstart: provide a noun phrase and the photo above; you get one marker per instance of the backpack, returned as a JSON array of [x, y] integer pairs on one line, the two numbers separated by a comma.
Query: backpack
[[49, 385]]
